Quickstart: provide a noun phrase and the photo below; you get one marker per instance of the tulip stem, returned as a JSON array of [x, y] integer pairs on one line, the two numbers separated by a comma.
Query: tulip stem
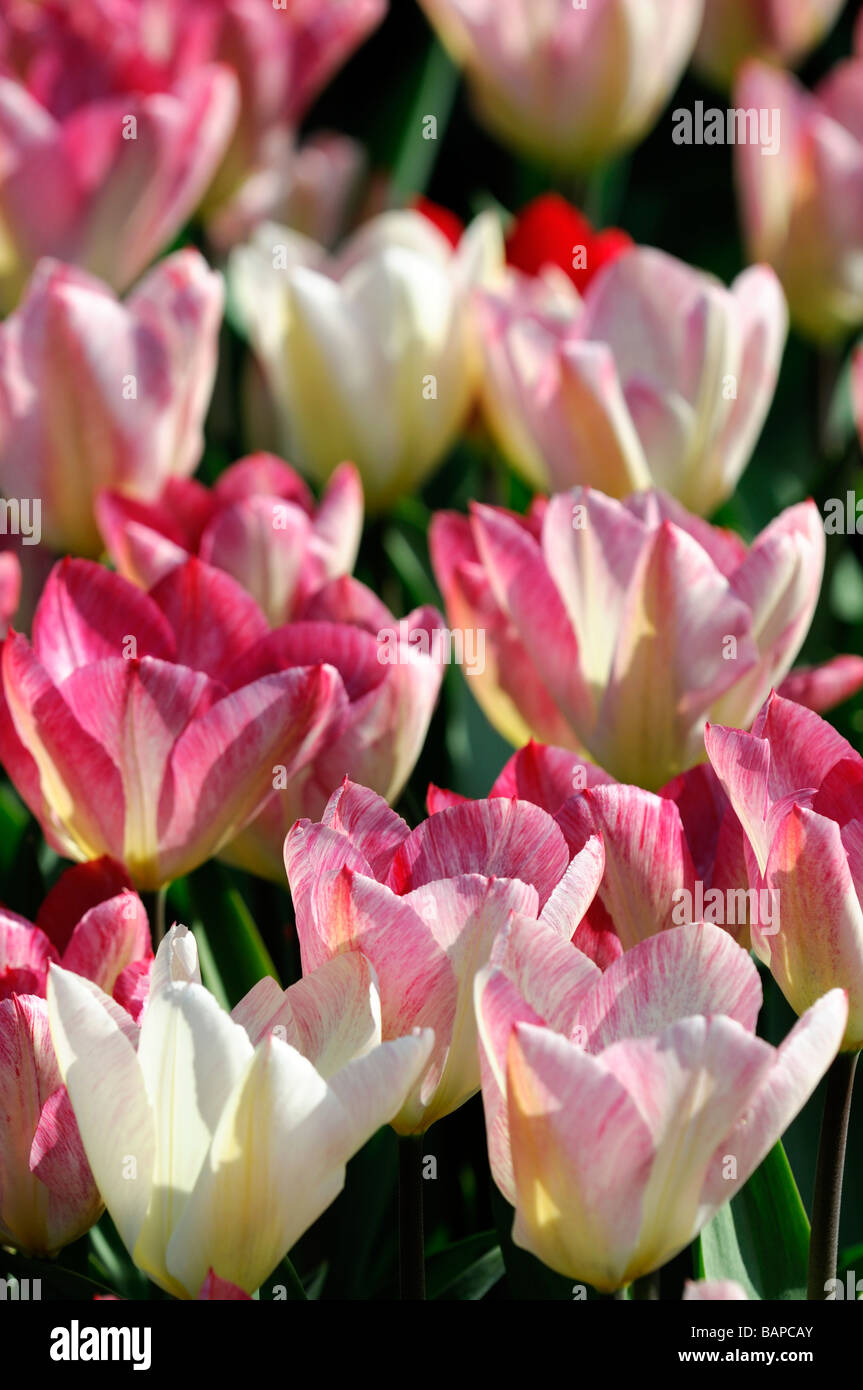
[[155, 905], [412, 1274], [827, 1200]]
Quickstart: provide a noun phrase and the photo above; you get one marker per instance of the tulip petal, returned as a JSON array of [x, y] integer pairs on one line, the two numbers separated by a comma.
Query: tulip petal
[[693, 969], [101, 1072]]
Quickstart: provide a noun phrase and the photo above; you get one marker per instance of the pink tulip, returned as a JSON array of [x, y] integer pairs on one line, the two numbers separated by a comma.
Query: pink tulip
[[283, 56], [568, 84], [96, 393], [280, 56], [215, 1289], [47, 1194], [124, 168], [802, 208], [425, 906], [670, 858], [314, 188], [128, 728], [391, 672], [617, 629], [624, 1109], [780, 33], [677, 402], [10, 588], [258, 523], [97, 928], [91, 923], [797, 787]]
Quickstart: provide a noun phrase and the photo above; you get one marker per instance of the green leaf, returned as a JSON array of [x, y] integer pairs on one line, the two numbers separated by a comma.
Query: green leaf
[[417, 155], [233, 954], [109, 1261], [285, 1278], [466, 1270], [407, 561], [761, 1237], [56, 1282]]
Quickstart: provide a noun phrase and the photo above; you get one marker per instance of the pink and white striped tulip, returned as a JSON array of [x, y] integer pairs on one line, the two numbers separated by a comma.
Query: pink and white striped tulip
[[47, 1194], [658, 848], [425, 907], [568, 84], [391, 671], [802, 208], [95, 393], [259, 523], [371, 355], [99, 930], [91, 923], [216, 1140], [76, 52], [662, 379], [616, 629], [127, 726], [782, 33], [615, 1101], [125, 170], [797, 787]]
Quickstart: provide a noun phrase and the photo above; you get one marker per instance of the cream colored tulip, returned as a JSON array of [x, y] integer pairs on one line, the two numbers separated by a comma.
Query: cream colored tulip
[[216, 1140], [370, 355]]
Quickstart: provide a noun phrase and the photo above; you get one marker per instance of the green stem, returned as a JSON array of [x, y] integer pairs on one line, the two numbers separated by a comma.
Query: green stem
[[154, 902], [412, 1277], [827, 1200]]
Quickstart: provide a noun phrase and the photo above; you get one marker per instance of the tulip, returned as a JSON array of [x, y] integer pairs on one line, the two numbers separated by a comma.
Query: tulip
[[10, 589], [371, 355], [127, 728], [624, 1109], [98, 929], [47, 1194], [391, 672], [568, 84], [125, 171], [313, 188], [800, 208], [90, 923], [217, 1140], [578, 397], [736, 29], [259, 524], [283, 56], [280, 57], [670, 858], [425, 906], [616, 629], [95, 393], [549, 231], [797, 787]]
